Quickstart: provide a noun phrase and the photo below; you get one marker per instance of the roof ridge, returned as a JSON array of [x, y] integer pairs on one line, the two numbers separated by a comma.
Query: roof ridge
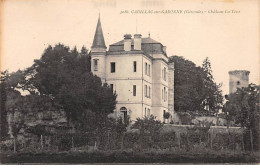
[[145, 40]]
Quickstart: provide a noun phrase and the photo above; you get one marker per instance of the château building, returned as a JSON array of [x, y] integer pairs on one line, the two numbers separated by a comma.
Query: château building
[[137, 69]]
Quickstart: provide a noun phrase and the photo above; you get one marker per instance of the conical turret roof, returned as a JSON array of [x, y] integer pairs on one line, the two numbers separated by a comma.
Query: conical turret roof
[[99, 41]]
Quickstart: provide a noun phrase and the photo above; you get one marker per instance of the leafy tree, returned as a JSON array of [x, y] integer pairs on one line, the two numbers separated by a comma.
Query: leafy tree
[[149, 129], [64, 75], [244, 107], [3, 112], [210, 90], [194, 87], [185, 87], [148, 125]]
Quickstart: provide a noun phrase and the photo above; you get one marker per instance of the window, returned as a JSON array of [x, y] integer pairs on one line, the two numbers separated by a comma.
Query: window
[[146, 68], [164, 112], [149, 95], [148, 112], [124, 111], [145, 90], [134, 90], [145, 112], [95, 64], [113, 67], [162, 94], [112, 87], [166, 95], [164, 73], [149, 69], [134, 66], [238, 82]]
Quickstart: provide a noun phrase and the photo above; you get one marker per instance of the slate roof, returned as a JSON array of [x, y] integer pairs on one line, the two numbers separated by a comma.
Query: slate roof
[[146, 40], [99, 41]]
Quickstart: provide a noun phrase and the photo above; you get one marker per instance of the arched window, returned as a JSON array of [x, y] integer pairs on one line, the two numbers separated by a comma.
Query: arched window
[[238, 82], [124, 111]]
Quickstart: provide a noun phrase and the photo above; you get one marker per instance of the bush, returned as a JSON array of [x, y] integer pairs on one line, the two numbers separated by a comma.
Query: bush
[[130, 139], [231, 141]]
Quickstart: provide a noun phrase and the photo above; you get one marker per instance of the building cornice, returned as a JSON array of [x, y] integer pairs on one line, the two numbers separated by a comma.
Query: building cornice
[[98, 53], [125, 53], [160, 59]]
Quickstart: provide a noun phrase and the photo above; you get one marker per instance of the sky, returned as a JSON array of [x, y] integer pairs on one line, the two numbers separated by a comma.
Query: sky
[[230, 40]]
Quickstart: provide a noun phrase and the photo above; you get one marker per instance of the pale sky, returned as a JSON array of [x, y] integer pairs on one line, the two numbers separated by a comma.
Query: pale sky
[[230, 40]]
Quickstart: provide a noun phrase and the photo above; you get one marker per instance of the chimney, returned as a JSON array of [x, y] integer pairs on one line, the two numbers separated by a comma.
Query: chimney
[[137, 41], [127, 42], [164, 49]]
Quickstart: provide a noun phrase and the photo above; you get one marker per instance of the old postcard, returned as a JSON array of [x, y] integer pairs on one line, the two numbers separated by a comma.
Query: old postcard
[[129, 82]]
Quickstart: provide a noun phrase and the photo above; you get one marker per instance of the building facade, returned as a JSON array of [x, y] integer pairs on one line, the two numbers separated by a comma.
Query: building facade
[[238, 79], [137, 69]]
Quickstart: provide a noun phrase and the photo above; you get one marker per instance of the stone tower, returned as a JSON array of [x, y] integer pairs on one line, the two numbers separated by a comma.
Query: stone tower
[[98, 54], [238, 79]]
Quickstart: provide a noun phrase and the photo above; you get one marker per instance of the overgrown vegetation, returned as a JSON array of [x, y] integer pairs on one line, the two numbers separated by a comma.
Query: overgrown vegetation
[[244, 107], [194, 87], [63, 77]]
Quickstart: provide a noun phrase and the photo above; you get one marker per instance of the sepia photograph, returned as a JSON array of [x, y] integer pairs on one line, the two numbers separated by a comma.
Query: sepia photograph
[[119, 82]]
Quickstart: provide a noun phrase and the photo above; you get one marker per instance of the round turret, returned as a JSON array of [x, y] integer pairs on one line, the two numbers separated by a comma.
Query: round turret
[[238, 79]]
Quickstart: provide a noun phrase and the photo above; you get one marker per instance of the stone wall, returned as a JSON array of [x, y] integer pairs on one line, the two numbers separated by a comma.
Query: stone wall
[[37, 116]]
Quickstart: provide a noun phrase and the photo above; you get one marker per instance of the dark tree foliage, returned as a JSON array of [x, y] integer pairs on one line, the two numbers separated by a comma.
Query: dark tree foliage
[[3, 112], [149, 129], [244, 107], [64, 76], [210, 90], [148, 125], [194, 87]]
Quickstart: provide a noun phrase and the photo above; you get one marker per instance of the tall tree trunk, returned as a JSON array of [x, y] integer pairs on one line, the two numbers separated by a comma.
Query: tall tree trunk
[[251, 140], [211, 138], [95, 147], [243, 144], [14, 144], [41, 142], [179, 139], [122, 141], [108, 141], [72, 143]]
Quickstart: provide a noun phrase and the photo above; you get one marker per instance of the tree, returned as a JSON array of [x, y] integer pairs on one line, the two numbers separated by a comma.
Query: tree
[[244, 107], [210, 90], [195, 87], [17, 124], [3, 112], [149, 129], [64, 75]]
